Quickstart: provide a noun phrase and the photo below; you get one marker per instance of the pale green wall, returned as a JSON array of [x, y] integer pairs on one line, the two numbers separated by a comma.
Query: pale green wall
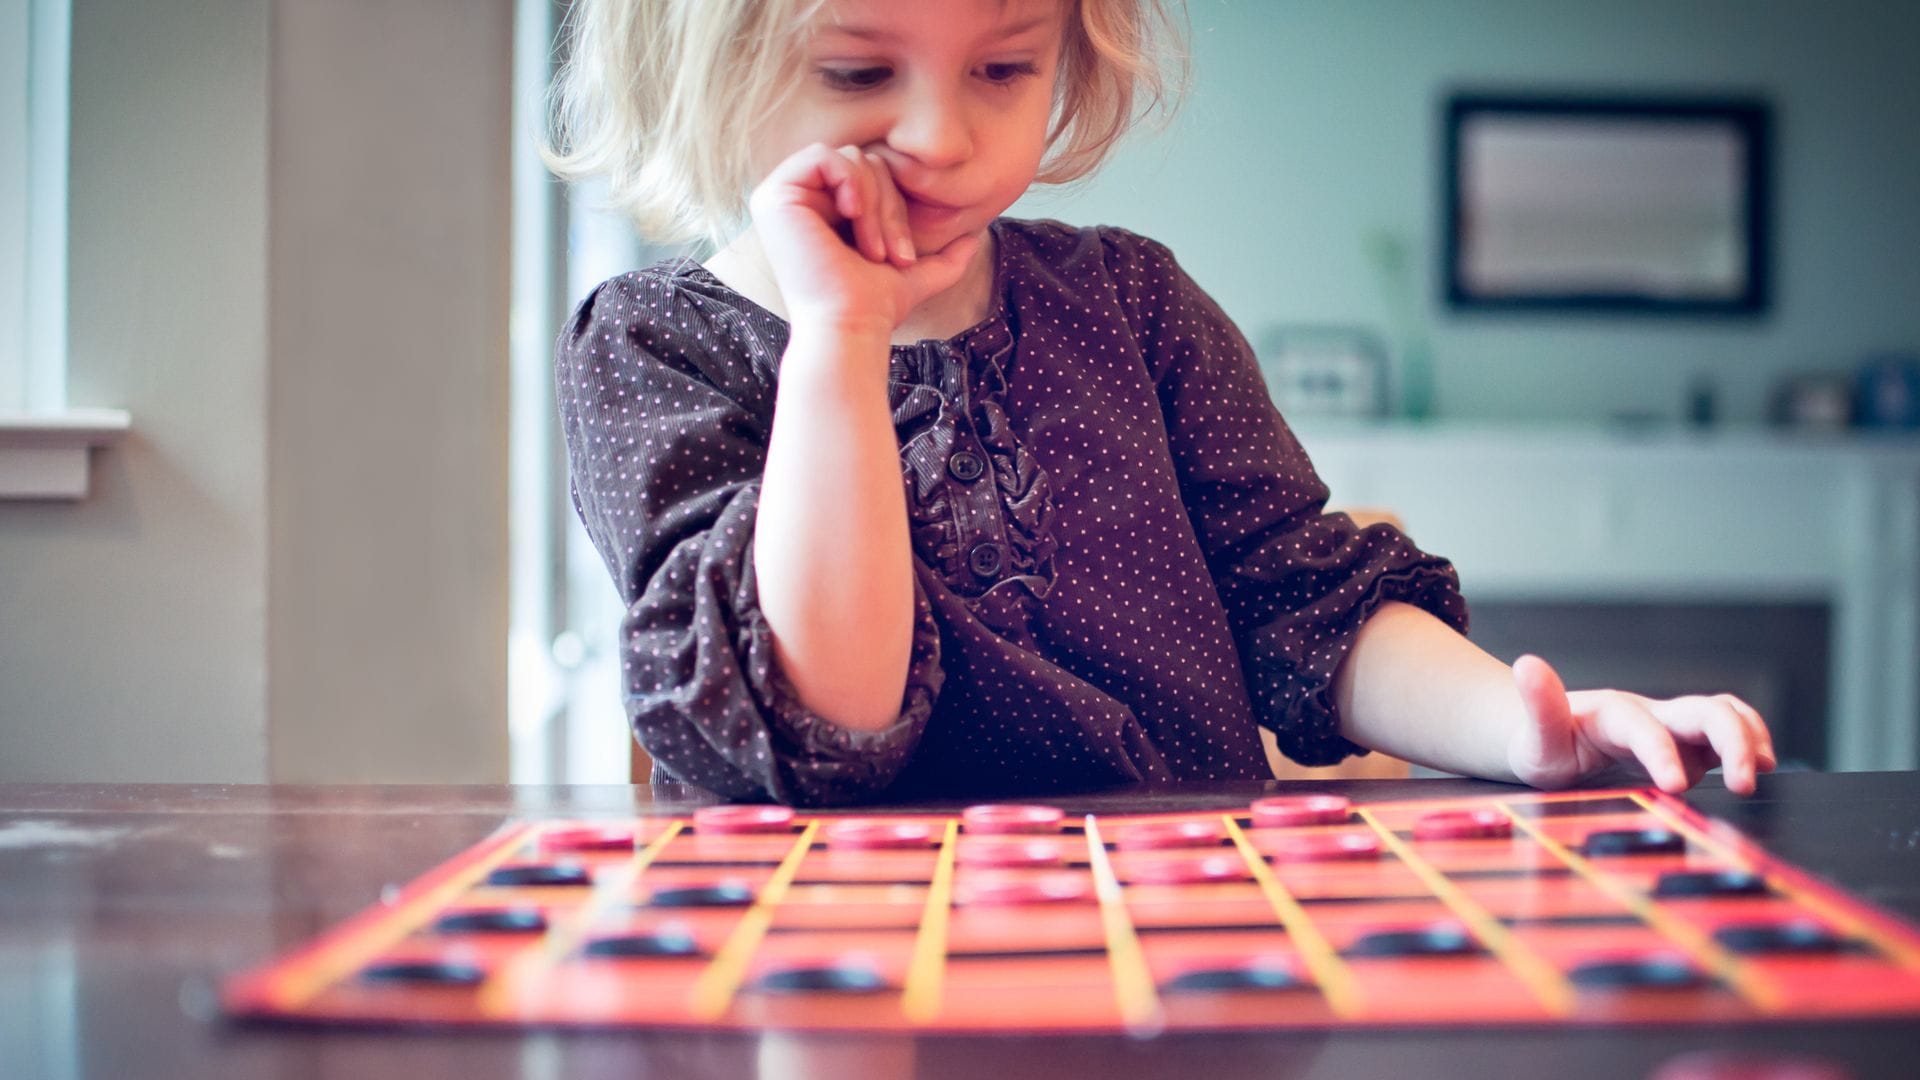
[[1312, 123]]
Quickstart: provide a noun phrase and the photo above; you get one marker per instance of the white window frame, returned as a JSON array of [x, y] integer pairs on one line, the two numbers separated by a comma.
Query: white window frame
[[44, 442]]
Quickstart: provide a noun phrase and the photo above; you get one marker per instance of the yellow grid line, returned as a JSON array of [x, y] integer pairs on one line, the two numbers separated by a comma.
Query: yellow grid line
[[1330, 973], [713, 991], [295, 988], [494, 998], [1133, 987], [1695, 943], [920, 1000], [1904, 953], [1546, 981]]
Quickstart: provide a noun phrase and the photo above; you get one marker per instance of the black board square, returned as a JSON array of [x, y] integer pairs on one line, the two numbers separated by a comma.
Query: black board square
[[424, 973], [1565, 808]]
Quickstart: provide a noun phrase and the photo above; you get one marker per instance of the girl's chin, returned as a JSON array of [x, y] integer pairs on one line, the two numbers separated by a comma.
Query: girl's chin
[[932, 241]]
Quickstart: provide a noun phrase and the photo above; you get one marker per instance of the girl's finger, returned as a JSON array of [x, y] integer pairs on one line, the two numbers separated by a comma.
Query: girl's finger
[[1730, 727], [1732, 742], [941, 270], [1762, 738], [868, 228], [1622, 727], [815, 178], [1542, 750], [893, 207]]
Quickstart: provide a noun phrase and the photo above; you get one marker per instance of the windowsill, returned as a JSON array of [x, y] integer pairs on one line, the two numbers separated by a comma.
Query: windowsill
[[44, 455]]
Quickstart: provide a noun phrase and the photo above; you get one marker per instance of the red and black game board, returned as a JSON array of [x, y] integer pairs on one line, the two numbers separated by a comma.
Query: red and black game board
[[1295, 912]]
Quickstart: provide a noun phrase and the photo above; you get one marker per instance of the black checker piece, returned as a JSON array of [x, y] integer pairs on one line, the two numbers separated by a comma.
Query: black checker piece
[[1639, 973], [492, 921], [1710, 883], [725, 894], [1799, 936], [541, 874], [1242, 977], [1633, 842], [1438, 940], [660, 943], [425, 973]]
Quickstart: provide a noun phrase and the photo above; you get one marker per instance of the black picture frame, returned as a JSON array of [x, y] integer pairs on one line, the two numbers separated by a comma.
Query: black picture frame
[[1515, 143]]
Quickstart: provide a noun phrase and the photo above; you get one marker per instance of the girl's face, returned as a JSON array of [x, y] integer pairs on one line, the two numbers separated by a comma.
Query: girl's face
[[954, 96]]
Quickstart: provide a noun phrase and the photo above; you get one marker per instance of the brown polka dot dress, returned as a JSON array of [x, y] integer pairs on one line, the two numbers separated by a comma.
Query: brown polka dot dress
[[1121, 560]]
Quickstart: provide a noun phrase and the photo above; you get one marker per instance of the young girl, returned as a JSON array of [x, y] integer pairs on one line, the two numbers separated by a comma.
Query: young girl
[[908, 499]]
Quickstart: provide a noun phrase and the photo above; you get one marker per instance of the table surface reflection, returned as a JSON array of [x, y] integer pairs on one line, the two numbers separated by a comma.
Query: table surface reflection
[[122, 906]]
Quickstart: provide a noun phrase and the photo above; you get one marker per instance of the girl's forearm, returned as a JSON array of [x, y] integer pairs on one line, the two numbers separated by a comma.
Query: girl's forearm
[[1414, 688], [831, 547]]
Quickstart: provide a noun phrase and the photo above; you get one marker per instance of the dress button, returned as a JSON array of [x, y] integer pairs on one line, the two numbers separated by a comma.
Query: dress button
[[966, 466], [986, 559]]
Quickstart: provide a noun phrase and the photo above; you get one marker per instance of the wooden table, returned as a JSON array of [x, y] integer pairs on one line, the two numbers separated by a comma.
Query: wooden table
[[121, 906]]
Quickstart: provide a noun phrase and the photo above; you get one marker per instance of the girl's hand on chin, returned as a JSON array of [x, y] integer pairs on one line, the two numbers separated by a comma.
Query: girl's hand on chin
[[833, 227], [1566, 738]]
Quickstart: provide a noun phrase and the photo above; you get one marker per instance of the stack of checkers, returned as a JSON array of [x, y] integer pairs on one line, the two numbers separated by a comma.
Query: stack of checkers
[[1302, 911]]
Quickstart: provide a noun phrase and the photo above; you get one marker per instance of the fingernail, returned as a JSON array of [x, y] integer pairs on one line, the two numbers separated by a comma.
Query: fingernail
[[903, 248]]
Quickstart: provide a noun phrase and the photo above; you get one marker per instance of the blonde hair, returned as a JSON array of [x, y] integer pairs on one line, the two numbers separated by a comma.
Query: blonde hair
[[657, 97]]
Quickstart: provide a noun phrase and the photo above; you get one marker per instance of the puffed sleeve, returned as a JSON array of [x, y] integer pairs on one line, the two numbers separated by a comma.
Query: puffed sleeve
[[1297, 581], [665, 414]]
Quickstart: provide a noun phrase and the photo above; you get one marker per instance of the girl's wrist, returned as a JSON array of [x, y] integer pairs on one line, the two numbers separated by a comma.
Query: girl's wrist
[[840, 360], [855, 328]]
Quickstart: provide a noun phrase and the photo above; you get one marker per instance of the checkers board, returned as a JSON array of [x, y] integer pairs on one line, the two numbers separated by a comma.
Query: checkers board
[[1600, 907]]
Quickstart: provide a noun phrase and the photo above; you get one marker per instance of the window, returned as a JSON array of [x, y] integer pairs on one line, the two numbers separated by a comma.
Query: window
[[43, 443], [33, 204], [564, 711]]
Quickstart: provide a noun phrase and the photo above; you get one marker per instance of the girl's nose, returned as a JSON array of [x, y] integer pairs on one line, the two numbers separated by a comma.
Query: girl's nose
[[932, 129]]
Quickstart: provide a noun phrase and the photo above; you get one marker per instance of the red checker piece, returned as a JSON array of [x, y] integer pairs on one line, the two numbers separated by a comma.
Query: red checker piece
[[1284, 811], [590, 838], [1008, 853], [1155, 835], [1187, 870], [743, 819], [1484, 823], [876, 833], [996, 889], [996, 819], [1319, 847]]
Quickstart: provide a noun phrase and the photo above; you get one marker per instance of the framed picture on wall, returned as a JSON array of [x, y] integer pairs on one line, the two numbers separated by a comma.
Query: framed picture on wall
[[1563, 203]]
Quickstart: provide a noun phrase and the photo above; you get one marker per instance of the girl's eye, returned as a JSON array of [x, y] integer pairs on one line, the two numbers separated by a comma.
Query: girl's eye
[[1006, 74], [865, 78]]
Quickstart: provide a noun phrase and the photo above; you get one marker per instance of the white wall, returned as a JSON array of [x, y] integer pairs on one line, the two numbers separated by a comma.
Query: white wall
[[289, 264], [1313, 123]]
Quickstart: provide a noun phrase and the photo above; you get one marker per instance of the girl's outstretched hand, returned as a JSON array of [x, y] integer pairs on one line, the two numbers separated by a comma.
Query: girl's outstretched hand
[[833, 226], [1565, 737]]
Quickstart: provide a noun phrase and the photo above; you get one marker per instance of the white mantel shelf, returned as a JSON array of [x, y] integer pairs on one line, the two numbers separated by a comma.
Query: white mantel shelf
[[44, 455], [1674, 515]]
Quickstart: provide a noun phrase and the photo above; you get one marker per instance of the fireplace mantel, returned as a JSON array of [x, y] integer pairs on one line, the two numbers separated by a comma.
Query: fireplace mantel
[[1559, 513]]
